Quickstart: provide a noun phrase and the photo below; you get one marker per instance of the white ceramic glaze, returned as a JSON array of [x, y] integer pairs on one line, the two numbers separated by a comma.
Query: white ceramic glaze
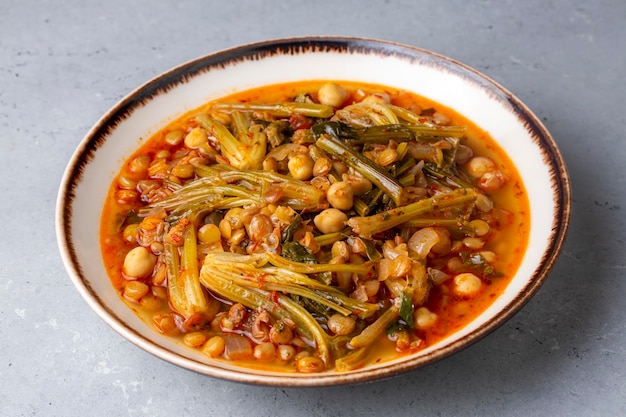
[[101, 153]]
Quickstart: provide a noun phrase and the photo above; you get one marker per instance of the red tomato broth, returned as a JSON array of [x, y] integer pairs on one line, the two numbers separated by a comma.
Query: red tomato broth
[[454, 312]]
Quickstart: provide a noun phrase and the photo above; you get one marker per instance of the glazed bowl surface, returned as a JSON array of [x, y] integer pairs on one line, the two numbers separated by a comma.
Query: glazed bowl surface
[[100, 155]]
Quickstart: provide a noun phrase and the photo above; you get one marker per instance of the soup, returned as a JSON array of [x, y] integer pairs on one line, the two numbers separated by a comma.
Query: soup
[[314, 226]]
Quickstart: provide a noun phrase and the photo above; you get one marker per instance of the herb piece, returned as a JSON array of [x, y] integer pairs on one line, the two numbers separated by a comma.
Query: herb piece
[[406, 310], [294, 251], [475, 262], [287, 235]]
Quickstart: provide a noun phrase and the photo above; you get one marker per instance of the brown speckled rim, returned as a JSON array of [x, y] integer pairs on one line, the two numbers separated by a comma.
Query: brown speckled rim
[[560, 185]]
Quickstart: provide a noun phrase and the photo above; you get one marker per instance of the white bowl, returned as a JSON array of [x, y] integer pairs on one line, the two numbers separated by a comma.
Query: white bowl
[[144, 111]]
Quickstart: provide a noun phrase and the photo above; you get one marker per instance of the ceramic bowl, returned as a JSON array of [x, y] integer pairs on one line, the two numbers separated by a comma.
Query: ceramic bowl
[[119, 132]]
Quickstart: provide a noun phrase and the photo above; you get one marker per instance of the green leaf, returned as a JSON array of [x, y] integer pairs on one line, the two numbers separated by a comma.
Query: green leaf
[[294, 251], [288, 233], [475, 262], [395, 328], [406, 310]]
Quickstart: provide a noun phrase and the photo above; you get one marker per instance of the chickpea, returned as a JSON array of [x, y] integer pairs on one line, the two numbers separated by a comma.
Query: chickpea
[[174, 137], [264, 352], [467, 284], [163, 154], [309, 364], [473, 242], [159, 292], [183, 171], [168, 323], [196, 138], [235, 216], [237, 237], [139, 165], [130, 233], [387, 157], [226, 230], [286, 352], [156, 247], [371, 287], [332, 94], [488, 256], [135, 290], [330, 220], [139, 262], [270, 164], [322, 167], [194, 339], [359, 184], [301, 167], [424, 318], [175, 179], [479, 165], [341, 250], [481, 227], [209, 233], [126, 183], [126, 196], [340, 195], [150, 303], [321, 183], [340, 324], [214, 347], [377, 98], [280, 333]]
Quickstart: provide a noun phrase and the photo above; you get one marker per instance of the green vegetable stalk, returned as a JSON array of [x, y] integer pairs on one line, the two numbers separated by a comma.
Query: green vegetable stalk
[[283, 109], [371, 332], [366, 167], [185, 292], [368, 226], [245, 152]]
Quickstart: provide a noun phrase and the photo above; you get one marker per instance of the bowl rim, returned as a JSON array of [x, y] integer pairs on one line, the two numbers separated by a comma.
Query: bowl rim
[[169, 79]]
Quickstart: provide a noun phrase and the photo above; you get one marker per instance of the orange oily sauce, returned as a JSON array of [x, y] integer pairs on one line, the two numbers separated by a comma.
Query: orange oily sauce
[[508, 241]]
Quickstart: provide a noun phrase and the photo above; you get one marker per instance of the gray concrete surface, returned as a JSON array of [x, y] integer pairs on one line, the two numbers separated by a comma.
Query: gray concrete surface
[[64, 63]]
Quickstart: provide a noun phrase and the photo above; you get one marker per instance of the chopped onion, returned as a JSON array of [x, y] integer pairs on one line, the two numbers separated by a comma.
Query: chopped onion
[[237, 347], [437, 276], [422, 242]]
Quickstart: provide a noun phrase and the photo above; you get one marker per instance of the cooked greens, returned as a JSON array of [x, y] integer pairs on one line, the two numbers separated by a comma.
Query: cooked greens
[[303, 232]]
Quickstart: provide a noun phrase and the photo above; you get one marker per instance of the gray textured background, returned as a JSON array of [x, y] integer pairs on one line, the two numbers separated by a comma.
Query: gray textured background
[[64, 63]]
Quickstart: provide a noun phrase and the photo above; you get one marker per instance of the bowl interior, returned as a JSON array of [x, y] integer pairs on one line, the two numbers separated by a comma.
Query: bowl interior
[[101, 154]]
